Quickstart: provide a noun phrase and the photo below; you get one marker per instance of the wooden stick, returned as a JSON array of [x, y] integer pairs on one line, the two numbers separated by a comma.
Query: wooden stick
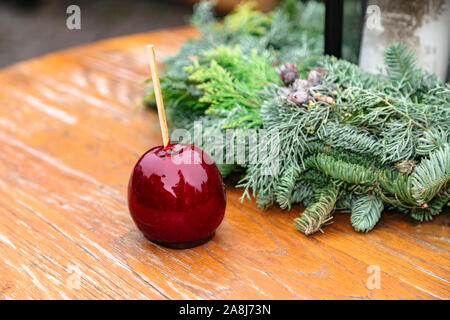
[[158, 95]]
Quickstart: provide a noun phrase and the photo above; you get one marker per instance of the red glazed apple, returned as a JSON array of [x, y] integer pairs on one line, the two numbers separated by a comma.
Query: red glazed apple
[[176, 196]]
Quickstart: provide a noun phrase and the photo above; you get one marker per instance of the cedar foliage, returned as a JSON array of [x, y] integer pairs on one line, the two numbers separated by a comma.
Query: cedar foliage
[[384, 141]]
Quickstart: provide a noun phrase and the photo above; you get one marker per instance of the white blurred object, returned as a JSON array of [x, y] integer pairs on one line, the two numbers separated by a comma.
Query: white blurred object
[[423, 25]]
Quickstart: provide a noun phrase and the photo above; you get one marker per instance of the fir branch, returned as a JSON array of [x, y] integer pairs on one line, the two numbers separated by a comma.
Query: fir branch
[[340, 170], [432, 140], [345, 202], [388, 107], [319, 213], [286, 187], [262, 174], [302, 194], [395, 188], [347, 74], [434, 208], [401, 67], [399, 141], [366, 211], [350, 138], [405, 76], [438, 95], [431, 175]]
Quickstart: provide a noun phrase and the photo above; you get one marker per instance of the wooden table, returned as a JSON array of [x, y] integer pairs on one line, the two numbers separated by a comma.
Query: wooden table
[[69, 137]]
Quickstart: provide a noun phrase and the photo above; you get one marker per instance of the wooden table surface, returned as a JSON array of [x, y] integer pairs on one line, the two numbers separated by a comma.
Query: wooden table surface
[[69, 137]]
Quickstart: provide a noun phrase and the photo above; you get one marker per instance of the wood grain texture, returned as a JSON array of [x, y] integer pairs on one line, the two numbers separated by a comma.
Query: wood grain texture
[[68, 141]]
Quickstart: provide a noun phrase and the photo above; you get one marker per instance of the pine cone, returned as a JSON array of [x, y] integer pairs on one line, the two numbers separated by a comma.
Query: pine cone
[[288, 73], [299, 97], [300, 84], [315, 76]]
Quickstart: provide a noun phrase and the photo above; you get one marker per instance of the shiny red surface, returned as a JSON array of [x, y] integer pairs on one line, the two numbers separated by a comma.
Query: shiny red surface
[[176, 194]]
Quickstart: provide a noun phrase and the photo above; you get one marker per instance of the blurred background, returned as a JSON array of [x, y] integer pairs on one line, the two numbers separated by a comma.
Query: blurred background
[[30, 28]]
